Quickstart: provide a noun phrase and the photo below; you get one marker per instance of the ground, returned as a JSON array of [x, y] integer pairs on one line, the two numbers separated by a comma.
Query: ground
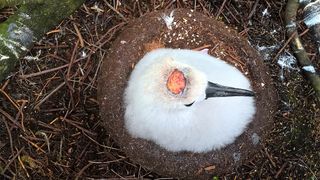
[[50, 125]]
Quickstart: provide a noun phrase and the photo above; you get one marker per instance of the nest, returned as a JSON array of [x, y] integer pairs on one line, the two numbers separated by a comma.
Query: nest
[[189, 30]]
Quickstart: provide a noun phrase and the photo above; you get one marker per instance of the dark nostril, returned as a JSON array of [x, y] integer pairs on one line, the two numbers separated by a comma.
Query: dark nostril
[[188, 105]]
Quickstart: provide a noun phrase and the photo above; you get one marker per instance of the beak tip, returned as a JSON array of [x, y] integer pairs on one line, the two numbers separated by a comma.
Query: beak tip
[[216, 90], [251, 93]]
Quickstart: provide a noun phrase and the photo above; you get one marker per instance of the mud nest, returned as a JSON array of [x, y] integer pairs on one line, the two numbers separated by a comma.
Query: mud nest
[[189, 30]]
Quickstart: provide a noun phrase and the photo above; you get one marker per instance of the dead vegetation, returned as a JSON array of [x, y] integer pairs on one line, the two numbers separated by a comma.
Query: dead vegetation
[[49, 115]]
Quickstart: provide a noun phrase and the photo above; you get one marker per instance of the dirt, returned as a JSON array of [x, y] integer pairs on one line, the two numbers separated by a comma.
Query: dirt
[[50, 124]]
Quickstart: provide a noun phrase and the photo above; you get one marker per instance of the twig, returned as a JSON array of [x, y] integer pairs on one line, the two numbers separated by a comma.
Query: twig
[[234, 16], [77, 126], [95, 74], [287, 42], [16, 106], [73, 56], [50, 94], [115, 10], [23, 167], [45, 138], [107, 162], [82, 170], [95, 162], [20, 113], [9, 134], [60, 148], [100, 43], [5, 84], [104, 146], [220, 9], [47, 71], [280, 170], [45, 86], [33, 144], [79, 35], [8, 116], [253, 9], [49, 47], [284, 46], [269, 157], [11, 161]]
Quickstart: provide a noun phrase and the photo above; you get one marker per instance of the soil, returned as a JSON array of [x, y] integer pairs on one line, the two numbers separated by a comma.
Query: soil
[[49, 113]]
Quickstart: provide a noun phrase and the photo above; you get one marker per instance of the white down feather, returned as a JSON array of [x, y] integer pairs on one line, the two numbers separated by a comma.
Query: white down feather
[[206, 125]]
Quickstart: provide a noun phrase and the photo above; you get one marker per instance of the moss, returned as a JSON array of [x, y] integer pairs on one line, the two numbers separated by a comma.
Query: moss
[[7, 3], [28, 25]]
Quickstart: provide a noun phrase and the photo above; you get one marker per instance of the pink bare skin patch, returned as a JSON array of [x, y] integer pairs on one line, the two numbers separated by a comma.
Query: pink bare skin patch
[[176, 82]]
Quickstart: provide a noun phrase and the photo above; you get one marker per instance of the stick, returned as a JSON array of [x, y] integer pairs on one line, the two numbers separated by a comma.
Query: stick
[[306, 66]]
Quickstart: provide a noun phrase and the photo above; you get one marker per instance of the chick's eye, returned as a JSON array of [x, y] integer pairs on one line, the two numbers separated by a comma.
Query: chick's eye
[[188, 105]]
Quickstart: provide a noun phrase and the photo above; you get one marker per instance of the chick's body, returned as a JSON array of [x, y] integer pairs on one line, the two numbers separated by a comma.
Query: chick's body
[[152, 113]]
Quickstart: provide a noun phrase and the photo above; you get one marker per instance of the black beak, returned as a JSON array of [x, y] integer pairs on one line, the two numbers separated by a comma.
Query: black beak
[[216, 90]]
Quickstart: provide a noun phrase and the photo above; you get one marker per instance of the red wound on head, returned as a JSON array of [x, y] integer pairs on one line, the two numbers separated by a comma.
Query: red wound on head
[[176, 82]]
